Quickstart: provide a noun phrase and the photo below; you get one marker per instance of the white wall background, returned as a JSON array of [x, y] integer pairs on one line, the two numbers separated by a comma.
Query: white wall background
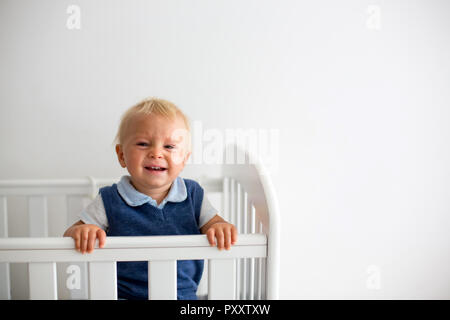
[[363, 115]]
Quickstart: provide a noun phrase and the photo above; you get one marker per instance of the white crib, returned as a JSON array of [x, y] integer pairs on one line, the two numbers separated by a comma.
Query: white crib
[[242, 190]]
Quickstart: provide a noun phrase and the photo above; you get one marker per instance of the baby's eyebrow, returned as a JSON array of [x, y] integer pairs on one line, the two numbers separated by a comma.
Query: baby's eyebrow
[[141, 137], [166, 140]]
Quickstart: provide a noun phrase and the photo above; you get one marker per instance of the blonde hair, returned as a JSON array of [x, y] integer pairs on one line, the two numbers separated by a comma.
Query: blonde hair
[[150, 106]]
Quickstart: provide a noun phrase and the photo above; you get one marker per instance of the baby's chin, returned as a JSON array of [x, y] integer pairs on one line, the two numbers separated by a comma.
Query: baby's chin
[[146, 187]]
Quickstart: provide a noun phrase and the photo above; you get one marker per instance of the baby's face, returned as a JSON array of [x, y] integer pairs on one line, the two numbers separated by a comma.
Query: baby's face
[[154, 151]]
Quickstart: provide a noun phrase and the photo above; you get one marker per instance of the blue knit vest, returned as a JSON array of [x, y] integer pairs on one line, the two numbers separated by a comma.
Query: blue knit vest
[[176, 218]]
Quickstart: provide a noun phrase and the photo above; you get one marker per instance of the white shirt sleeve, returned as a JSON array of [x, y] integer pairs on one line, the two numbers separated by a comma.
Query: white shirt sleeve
[[207, 212], [95, 213]]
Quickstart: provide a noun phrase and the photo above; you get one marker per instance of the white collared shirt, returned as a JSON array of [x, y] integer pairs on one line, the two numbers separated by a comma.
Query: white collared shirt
[[95, 212]]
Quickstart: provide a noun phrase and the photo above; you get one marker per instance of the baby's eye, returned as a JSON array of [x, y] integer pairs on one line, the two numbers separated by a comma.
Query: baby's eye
[[170, 147], [142, 144]]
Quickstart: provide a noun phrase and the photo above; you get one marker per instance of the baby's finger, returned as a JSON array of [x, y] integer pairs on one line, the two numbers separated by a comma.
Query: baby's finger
[[210, 236], [220, 240], [101, 235], [91, 240], [84, 240], [234, 235], [227, 238], [77, 238]]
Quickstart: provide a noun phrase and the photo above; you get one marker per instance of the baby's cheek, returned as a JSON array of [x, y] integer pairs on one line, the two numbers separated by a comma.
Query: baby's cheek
[[177, 158]]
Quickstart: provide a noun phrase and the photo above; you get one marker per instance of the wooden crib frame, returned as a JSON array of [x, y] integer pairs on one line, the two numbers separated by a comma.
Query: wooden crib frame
[[249, 270]]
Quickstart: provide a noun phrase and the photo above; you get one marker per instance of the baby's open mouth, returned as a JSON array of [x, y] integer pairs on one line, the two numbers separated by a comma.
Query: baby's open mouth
[[155, 168]]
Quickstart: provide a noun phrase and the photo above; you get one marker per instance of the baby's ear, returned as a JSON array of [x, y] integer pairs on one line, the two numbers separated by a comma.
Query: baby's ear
[[186, 157], [120, 156]]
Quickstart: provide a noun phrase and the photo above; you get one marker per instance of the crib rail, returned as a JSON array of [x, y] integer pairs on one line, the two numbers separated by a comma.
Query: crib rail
[[88, 186], [161, 252]]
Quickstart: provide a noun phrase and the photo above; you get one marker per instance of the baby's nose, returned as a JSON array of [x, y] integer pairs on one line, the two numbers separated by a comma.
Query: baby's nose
[[155, 153]]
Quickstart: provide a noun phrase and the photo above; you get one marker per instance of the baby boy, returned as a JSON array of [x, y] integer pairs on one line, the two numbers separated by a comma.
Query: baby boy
[[153, 144]]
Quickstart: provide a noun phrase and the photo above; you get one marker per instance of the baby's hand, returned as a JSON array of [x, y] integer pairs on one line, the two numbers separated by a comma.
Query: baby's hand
[[225, 233], [85, 236]]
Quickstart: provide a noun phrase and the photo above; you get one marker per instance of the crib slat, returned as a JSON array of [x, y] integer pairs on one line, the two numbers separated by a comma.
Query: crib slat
[[251, 262], [252, 217], [233, 205], [243, 224], [38, 219], [238, 208], [42, 278], [5, 288], [258, 269], [263, 279], [251, 280], [245, 262], [3, 218], [236, 194], [221, 279], [162, 280], [103, 280], [260, 266], [244, 211], [258, 262], [226, 199], [232, 202]]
